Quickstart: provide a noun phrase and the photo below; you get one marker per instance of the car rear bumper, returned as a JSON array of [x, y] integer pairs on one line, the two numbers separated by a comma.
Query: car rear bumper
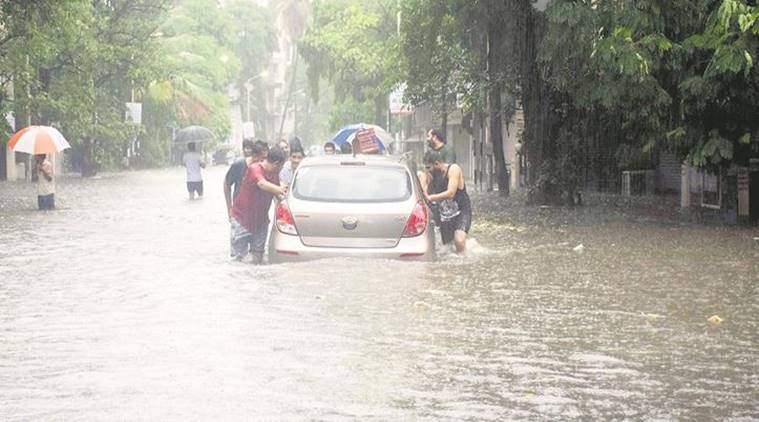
[[287, 248]]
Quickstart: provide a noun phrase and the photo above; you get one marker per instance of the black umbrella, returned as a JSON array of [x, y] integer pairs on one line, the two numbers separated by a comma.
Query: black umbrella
[[194, 134]]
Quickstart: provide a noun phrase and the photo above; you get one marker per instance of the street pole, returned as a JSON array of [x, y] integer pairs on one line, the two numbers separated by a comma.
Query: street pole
[[247, 97], [30, 173], [249, 88]]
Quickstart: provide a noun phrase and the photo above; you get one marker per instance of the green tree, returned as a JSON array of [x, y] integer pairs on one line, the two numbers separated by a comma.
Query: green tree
[[198, 43], [631, 78], [74, 64], [466, 48], [353, 45], [206, 49], [718, 122]]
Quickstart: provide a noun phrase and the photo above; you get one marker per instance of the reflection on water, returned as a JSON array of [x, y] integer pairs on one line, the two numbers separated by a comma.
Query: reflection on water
[[124, 305]]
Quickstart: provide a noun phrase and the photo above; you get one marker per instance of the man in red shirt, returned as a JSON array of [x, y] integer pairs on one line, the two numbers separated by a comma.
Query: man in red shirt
[[250, 211]]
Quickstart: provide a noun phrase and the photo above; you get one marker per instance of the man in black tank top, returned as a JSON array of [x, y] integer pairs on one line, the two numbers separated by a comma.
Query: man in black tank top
[[453, 200]]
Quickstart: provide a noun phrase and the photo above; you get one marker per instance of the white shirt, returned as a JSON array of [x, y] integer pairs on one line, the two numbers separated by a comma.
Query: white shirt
[[286, 174], [44, 186], [192, 160]]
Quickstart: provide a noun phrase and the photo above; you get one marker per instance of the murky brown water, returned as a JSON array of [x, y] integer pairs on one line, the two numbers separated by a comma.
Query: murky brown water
[[123, 305]]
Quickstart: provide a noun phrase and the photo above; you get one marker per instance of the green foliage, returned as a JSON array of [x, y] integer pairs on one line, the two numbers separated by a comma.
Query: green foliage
[[717, 99], [75, 64], [711, 150], [437, 62], [350, 111], [197, 44], [677, 74], [558, 177], [352, 45]]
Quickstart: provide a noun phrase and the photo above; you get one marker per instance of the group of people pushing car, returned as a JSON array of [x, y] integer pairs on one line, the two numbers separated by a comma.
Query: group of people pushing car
[[249, 187], [265, 173]]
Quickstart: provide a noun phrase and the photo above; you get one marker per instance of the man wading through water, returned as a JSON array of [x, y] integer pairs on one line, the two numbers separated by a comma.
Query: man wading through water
[[250, 212], [193, 161], [233, 178], [253, 152], [433, 182], [454, 206], [45, 183]]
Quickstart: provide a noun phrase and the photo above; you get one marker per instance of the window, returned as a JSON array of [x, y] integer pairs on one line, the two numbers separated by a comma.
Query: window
[[352, 184]]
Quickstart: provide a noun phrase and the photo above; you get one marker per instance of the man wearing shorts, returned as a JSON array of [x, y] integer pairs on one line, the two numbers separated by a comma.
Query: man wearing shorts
[[193, 162], [453, 201]]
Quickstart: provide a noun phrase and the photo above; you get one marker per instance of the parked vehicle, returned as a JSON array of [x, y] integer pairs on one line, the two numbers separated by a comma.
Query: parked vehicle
[[360, 206], [223, 156]]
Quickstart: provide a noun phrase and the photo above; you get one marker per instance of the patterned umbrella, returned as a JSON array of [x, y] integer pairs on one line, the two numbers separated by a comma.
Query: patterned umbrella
[[38, 140], [367, 133]]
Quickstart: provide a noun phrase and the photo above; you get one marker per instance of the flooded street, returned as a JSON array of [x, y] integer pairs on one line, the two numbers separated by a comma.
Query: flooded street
[[124, 305]]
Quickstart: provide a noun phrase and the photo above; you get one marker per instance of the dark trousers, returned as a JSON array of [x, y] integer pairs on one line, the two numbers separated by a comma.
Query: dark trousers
[[46, 202], [195, 187]]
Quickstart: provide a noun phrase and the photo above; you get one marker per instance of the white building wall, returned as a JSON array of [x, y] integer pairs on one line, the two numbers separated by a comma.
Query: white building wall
[[10, 164]]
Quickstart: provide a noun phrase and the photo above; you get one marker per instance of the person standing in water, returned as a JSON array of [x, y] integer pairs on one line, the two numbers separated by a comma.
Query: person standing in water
[[432, 181], [193, 162], [454, 205], [250, 210], [237, 170], [45, 183]]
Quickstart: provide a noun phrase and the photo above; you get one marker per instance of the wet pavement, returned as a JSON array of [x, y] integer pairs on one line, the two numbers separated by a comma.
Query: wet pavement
[[123, 304]]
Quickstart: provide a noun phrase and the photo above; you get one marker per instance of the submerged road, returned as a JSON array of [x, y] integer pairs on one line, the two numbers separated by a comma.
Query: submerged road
[[124, 305]]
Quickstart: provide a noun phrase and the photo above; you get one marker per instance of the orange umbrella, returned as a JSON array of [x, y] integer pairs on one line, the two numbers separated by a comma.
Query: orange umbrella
[[38, 140]]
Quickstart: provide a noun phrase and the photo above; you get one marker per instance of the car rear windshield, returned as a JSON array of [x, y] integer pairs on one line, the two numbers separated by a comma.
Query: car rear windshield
[[352, 184]]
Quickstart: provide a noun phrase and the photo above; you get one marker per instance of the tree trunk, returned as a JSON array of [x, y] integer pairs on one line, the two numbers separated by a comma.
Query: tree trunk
[[289, 94], [380, 106], [88, 162], [444, 109], [540, 120], [495, 38]]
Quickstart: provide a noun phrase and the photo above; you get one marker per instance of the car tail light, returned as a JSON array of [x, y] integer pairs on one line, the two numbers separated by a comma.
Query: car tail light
[[285, 220], [417, 222]]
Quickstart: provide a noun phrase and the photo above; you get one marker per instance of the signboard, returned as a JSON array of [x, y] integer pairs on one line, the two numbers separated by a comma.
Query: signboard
[[134, 113], [396, 102]]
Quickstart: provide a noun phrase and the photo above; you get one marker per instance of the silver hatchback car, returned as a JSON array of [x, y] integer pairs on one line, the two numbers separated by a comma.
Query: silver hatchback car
[[352, 206]]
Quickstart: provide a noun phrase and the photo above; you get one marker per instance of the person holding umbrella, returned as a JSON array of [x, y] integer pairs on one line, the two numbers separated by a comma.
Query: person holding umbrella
[[40, 141], [45, 182], [194, 162]]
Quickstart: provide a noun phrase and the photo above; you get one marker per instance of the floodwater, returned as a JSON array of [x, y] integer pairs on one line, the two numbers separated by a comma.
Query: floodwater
[[124, 305]]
